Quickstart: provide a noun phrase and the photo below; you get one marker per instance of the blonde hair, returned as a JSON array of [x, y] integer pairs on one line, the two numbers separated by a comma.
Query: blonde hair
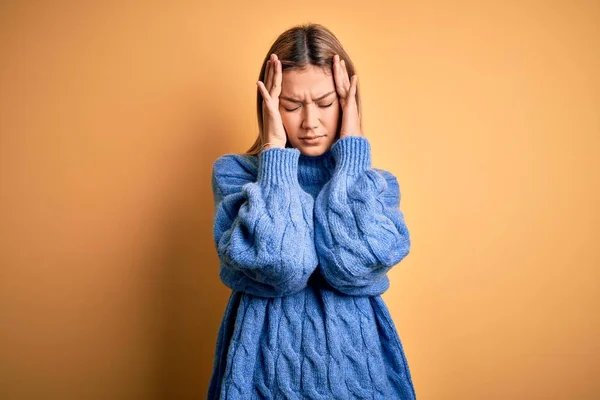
[[298, 48]]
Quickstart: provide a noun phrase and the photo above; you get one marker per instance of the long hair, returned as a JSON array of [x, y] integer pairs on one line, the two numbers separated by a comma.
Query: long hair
[[297, 48]]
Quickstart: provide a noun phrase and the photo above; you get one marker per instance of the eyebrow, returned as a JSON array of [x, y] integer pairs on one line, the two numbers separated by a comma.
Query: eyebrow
[[298, 101]]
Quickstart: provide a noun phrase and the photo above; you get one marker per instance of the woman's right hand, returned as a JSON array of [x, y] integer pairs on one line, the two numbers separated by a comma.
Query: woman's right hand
[[272, 123]]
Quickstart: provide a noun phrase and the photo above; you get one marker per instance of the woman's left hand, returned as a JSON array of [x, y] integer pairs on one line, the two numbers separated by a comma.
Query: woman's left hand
[[346, 90]]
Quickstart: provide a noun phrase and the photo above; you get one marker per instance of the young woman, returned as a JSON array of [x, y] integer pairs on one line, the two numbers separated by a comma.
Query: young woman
[[306, 231]]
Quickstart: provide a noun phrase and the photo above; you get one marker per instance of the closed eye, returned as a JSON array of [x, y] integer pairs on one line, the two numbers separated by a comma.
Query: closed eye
[[321, 106]]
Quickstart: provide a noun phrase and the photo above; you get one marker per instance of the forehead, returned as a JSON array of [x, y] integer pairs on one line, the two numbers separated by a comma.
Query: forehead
[[307, 83]]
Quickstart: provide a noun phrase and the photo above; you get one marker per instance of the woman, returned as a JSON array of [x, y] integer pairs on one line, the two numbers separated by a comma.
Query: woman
[[306, 232]]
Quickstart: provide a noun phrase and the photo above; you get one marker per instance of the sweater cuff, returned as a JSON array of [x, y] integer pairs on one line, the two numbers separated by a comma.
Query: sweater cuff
[[278, 166], [352, 154]]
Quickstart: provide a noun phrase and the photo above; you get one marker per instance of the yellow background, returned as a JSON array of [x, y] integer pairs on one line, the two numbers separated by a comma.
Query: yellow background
[[111, 115]]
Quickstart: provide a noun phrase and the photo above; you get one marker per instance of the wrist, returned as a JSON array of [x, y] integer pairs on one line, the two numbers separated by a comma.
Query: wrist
[[272, 144], [352, 154], [277, 167]]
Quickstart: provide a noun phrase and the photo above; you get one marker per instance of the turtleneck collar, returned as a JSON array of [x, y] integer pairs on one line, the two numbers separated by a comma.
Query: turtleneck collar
[[315, 169]]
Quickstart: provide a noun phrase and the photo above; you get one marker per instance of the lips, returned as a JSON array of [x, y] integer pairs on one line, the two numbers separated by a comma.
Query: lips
[[313, 140]]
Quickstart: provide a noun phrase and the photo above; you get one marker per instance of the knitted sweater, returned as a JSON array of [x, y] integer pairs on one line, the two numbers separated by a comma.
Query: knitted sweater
[[305, 243]]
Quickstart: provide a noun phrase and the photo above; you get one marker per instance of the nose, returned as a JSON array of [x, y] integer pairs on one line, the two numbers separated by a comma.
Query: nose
[[311, 120]]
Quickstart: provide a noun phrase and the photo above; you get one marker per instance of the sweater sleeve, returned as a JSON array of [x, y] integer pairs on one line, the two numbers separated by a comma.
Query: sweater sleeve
[[360, 232], [263, 224]]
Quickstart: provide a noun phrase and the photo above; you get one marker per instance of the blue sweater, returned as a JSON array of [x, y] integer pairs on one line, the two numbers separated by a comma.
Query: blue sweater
[[305, 243]]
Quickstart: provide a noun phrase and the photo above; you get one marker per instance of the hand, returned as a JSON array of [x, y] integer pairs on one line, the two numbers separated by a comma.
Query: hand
[[272, 123], [346, 90]]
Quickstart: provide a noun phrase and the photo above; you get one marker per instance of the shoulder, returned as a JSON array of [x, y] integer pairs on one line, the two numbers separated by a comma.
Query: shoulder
[[235, 164], [389, 176], [392, 193], [234, 170]]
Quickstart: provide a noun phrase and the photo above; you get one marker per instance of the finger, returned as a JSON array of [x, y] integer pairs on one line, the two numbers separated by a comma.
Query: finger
[[269, 81], [269, 84], [263, 91], [266, 74], [337, 77], [345, 75], [353, 87], [276, 88]]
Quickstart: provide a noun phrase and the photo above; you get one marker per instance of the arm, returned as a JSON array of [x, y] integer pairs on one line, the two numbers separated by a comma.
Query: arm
[[359, 229], [263, 225]]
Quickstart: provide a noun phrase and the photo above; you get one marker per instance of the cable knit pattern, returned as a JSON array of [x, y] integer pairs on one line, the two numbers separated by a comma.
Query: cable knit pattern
[[360, 231], [305, 242], [263, 229]]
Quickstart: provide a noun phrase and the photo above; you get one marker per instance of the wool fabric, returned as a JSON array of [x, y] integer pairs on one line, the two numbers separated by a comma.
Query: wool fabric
[[305, 244]]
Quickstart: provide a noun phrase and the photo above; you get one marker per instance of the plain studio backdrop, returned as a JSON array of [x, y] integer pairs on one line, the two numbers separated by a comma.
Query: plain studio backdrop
[[111, 114]]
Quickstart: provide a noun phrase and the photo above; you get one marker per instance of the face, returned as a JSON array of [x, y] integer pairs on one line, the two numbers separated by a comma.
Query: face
[[309, 108]]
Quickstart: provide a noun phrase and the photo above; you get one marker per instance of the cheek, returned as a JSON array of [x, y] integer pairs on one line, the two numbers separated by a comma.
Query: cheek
[[287, 118], [290, 123], [331, 115]]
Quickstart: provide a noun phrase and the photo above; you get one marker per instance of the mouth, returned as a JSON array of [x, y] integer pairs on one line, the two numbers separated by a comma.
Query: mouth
[[313, 140]]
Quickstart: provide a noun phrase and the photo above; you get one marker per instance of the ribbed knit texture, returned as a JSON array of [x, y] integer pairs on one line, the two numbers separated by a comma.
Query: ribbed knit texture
[[305, 244]]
